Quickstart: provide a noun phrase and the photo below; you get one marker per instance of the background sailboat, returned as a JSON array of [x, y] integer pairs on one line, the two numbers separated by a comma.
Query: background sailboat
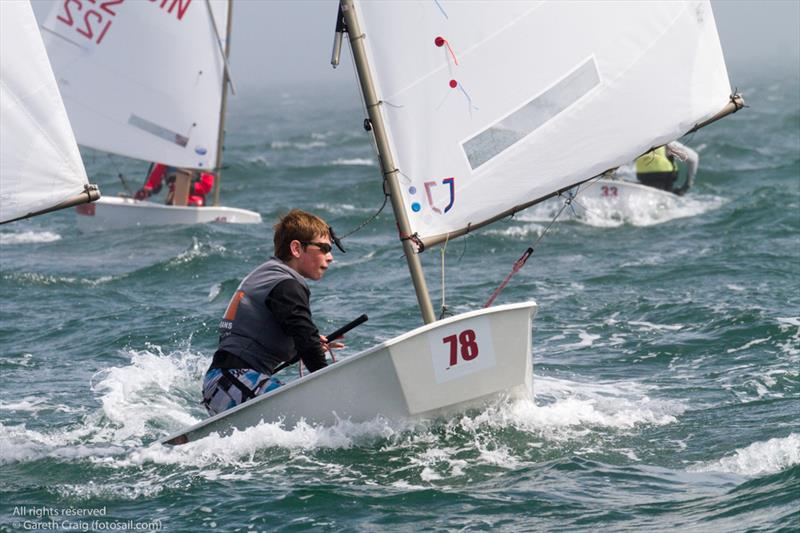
[[149, 81], [40, 166], [474, 118]]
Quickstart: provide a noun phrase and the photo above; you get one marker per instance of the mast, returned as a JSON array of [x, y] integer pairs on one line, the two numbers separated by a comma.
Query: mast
[[388, 167], [224, 102]]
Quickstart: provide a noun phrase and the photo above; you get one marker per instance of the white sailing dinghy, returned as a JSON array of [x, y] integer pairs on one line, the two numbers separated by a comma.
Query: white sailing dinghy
[[480, 109], [40, 166], [146, 80], [617, 199]]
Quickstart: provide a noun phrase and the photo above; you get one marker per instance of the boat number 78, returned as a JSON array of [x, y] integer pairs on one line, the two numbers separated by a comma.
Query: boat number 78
[[463, 342]]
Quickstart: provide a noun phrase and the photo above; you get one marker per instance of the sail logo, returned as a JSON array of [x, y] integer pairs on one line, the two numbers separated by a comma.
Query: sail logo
[[450, 183]]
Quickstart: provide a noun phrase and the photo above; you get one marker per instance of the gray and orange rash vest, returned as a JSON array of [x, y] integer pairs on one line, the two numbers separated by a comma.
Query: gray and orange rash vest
[[249, 330]]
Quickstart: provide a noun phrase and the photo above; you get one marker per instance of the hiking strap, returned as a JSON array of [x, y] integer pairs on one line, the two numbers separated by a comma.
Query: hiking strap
[[246, 392]]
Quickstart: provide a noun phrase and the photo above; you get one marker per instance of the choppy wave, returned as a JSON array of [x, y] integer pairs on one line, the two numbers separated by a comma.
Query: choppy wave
[[602, 214], [297, 145], [35, 278], [658, 350], [156, 394], [197, 250], [759, 458], [27, 237], [354, 162]]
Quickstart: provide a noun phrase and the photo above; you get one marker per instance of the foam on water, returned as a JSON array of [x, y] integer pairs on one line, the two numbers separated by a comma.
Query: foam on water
[[28, 237], [197, 250], [297, 145], [214, 291], [566, 409], [45, 279], [357, 161], [120, 490], [648, 326], [343, 208], [259, 160], [586, 340], [791, 347], [20, 444], [156, 394], [152, 383], [518, 231], [759, 458], [749, 344], [35, 405], [240, 446], [600, 213], [135, 399]]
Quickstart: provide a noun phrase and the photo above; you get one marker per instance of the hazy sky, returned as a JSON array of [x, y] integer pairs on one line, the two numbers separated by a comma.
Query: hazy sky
[[290, 40], [280, 41]]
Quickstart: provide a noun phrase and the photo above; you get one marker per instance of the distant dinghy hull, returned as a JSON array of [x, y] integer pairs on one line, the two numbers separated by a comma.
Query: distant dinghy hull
[[119, 213], [625, 198], [437, 369]]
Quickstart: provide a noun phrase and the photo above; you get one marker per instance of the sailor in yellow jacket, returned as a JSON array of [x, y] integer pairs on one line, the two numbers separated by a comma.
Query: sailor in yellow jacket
[[658, 168]]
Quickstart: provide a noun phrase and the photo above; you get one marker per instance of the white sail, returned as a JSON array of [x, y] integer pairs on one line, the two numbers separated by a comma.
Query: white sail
[[491, 106], [140, 78], [40, 165]]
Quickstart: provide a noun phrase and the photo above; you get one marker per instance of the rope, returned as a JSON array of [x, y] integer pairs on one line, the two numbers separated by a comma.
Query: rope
[[416, 240], [300, 364], [375, 147], [442, 252], [119, 174], [519, 263], [369, 219]]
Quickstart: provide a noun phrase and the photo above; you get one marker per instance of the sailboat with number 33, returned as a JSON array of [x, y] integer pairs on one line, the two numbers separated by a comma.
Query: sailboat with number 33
[[480, 109]]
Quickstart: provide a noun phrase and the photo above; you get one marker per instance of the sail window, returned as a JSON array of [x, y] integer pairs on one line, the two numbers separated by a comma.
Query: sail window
[[504, 134], [158, 131]]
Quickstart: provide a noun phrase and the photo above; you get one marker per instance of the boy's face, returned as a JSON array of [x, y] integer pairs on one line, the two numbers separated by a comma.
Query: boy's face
[[311, 259]]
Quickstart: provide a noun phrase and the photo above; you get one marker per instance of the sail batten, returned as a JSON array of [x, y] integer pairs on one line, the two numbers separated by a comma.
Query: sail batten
[[528, 98], [145, 81]]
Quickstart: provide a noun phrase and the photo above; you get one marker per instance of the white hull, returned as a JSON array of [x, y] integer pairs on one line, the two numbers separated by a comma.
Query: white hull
[[408, 377], [622, 197], [117, 213]]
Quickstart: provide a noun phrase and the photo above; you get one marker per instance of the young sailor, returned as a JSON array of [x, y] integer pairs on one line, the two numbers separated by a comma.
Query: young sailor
[[200, 184], [268, 320], [657, 168]]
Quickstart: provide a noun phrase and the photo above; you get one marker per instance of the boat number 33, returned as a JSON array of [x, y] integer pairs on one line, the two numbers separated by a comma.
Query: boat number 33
[[609, 191]]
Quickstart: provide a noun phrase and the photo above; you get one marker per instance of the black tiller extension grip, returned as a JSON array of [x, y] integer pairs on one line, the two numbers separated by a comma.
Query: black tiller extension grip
[[335, 335], [344, 329]]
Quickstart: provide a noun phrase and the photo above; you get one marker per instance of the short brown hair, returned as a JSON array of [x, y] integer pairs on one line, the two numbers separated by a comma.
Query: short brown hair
[[297, 225]]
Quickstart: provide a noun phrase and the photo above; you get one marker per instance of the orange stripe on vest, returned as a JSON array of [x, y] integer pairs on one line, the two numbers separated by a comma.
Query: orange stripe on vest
[[233, 306]]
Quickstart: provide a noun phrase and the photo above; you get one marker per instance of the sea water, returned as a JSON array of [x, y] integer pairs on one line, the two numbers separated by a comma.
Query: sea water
[[666, 351]]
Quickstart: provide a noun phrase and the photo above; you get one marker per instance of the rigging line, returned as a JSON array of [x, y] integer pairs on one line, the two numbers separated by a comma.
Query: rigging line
[[582, 206], [578, 189], [442, 252], [119, 174], [369, 219], [224, 57], [519, 263]]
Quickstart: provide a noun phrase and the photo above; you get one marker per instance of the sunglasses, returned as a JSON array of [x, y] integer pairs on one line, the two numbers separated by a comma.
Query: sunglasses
[[324, 247]]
